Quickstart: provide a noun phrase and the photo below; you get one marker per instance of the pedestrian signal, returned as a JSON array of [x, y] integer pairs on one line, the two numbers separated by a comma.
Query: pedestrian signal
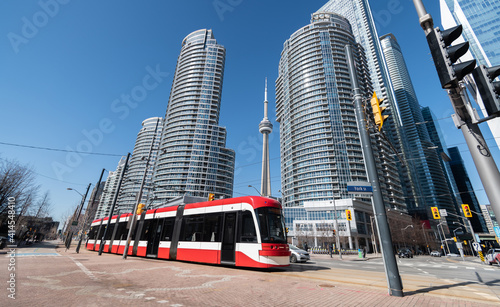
[[466, 210], [435, 213]]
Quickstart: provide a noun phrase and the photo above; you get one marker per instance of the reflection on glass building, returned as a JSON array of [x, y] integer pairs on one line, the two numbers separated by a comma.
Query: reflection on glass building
[[423, 159], [192, 158]]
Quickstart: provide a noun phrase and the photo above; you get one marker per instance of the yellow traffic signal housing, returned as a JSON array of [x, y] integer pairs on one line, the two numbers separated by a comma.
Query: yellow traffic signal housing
[[435, 213], [466, 210], [377, 111], [211, 196], [455, 239], [140, 208], [348, 215]]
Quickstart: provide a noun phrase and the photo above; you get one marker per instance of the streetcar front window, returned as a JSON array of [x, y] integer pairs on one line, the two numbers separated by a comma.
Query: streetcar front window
[[271, 225]]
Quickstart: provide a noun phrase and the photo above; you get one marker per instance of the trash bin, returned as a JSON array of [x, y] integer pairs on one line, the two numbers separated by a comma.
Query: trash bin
[[360, 253]]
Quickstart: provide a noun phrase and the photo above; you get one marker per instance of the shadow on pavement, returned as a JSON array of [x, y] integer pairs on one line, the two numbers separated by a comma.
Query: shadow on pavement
[[465, 283]]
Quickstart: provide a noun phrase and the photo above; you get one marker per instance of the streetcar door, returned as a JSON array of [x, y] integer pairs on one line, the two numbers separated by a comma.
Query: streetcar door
[[228, 238], [153, 238]]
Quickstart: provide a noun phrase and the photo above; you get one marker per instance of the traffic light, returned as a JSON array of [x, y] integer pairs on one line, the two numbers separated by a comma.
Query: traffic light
[[466, 210], [348, 215], [435, 213], [140, 208], [487, 87], [445, 55], [377, 111], [211, 196]]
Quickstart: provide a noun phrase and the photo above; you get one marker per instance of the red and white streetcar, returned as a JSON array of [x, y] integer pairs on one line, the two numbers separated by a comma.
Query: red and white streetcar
[[244, 231]]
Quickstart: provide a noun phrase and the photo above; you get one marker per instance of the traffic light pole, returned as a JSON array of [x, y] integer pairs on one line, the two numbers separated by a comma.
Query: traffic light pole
[[390, 265], [483, 159]]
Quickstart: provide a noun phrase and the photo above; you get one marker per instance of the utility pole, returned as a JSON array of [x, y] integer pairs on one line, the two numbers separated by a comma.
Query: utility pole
[[101, 246], [450, 76], [390, 265]]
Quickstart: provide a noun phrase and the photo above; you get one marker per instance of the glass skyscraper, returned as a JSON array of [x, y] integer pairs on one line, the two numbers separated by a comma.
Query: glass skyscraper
[[466, 190], [423, 159], [319, 139], [359, 15], [438, 140], [192, 158], [481, 22]]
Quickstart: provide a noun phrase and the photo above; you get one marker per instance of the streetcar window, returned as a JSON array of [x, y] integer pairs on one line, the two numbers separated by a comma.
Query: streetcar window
[[92, 232], [271, 225], [211, 228], [145, 230], [247, 228], [192, 227], [122, 231], [168, 228], [109, 232]]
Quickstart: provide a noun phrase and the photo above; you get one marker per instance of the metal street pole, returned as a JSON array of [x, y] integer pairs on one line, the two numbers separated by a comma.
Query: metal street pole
[[444, 237], [425, 237], [391, 268], [139, 196], [91, 203], [101, 246], [68, 244], [481, 155], [337, 240]]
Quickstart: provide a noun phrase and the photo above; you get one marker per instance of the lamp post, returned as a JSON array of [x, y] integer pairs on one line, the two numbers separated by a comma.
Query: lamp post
[[337, 239], [425, 237], [403, 234], [79, 209], [251, 186]]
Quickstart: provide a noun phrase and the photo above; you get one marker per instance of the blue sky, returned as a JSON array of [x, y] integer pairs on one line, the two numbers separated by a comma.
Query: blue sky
[[68, 67]]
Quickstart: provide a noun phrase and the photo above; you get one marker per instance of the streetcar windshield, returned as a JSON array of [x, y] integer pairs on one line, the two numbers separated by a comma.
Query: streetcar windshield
[[271, 225]]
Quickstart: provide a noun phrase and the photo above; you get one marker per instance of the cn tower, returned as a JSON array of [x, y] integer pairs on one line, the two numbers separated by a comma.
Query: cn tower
[[265, 127]]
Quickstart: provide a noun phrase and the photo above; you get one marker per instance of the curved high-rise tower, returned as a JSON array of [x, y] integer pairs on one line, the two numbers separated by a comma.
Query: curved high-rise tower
[[192, 158], [319, 139]]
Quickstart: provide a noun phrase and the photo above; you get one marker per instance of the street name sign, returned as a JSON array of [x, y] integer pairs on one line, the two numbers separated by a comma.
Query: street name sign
[[359, 187]]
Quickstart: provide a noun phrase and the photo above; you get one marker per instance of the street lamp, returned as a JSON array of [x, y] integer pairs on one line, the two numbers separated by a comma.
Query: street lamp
[[251, 186], [425, 237], [337, 234], [402, 232], [79, 210]]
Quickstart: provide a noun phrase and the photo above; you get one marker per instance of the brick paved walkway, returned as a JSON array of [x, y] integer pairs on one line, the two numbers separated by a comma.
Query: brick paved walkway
[[86, 279]]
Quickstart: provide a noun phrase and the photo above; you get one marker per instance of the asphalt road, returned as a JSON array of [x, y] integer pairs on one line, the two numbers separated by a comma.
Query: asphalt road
[[473, 277]]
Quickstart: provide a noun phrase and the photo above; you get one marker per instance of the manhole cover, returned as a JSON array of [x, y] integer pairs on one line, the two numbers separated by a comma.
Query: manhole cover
[[327, 286]]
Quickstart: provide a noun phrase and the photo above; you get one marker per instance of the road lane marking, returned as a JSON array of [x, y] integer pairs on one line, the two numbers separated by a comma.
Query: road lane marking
[[83, 268]]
